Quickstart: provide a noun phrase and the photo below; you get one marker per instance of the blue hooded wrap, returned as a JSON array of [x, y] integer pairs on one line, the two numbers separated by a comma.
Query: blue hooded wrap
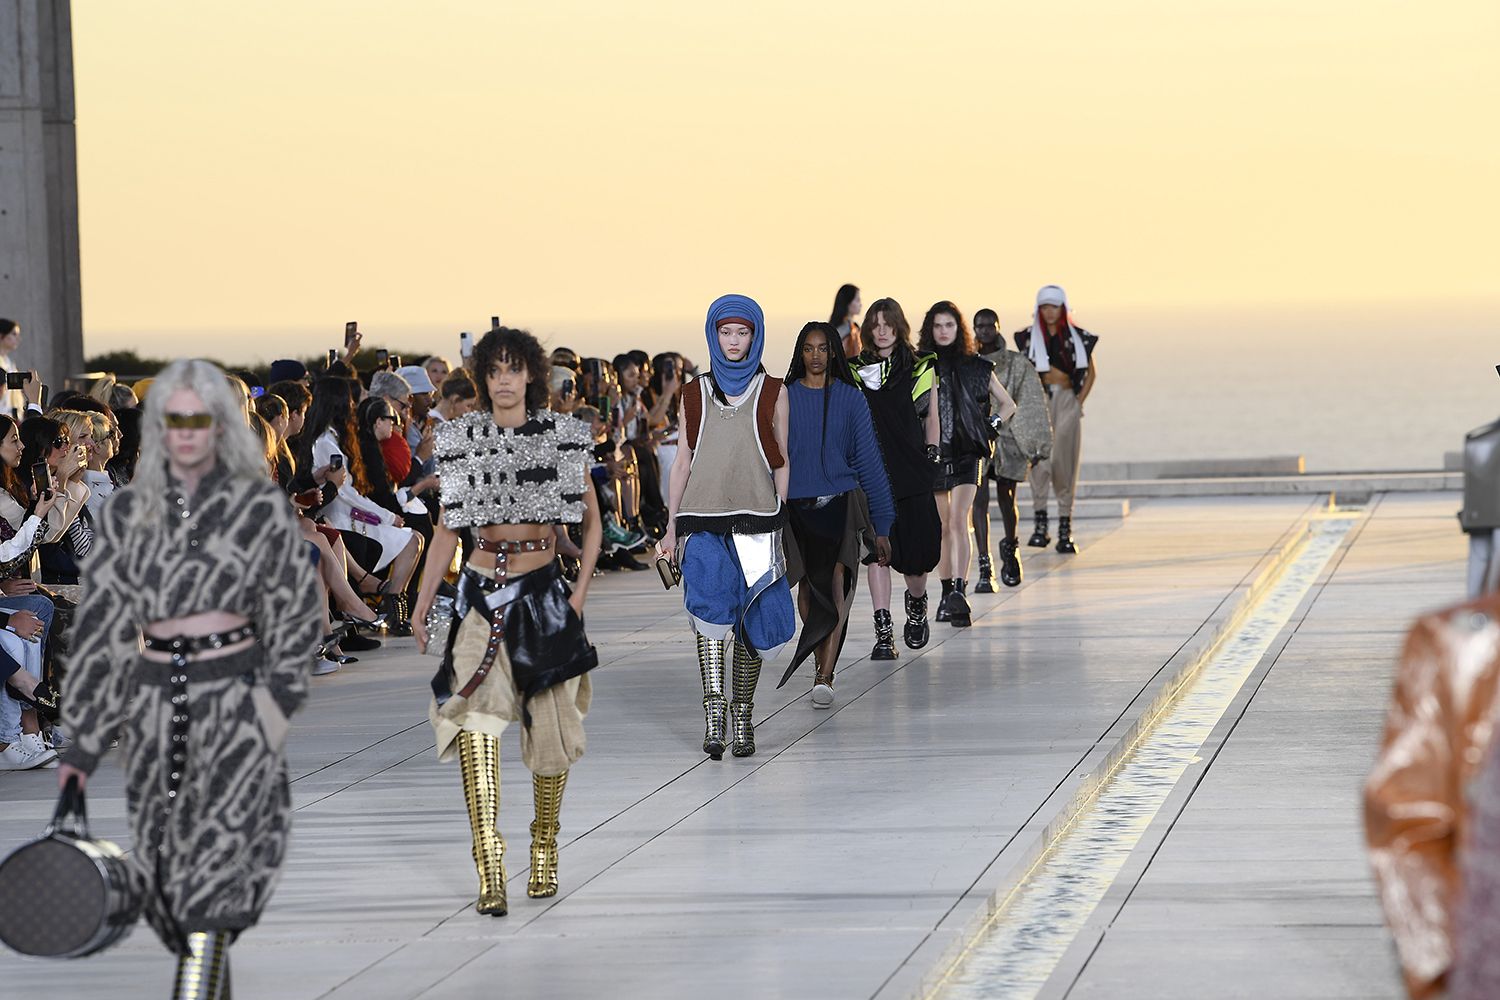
[[733, 377]]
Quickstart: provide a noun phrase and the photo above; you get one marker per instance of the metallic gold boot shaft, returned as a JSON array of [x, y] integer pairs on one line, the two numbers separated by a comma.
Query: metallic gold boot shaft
[[479, 759], [746, 677], [547, 790], [203, 974], [715, 721]]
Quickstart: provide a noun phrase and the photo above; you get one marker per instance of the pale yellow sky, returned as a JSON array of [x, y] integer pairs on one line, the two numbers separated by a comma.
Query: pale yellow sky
[[575, 165]]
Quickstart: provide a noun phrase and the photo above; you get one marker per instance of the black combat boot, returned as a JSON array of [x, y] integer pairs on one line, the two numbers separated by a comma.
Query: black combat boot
[[986, 584], [1065, 537], [959, 613], [1010, 563], [942, 608], [885, 637], [1039, 538], [917, 631]]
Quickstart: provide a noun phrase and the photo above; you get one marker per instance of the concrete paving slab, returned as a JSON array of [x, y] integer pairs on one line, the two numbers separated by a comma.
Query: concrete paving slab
[[1260, 886], [815, 868]]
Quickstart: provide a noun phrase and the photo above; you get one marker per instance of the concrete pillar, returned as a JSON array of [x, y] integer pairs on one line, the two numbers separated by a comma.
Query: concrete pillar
[[39, 275]]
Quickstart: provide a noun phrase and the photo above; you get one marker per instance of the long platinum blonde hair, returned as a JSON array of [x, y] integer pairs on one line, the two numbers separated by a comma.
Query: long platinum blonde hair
[[239, 451]]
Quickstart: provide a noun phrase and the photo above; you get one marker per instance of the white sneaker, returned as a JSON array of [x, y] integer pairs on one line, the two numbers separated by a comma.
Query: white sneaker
[[822, 695], [322, 667], [37, 745], [57, 739], [20, 757]]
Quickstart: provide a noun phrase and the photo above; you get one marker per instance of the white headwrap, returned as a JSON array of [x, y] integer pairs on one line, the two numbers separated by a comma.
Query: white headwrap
[[1052, 295]]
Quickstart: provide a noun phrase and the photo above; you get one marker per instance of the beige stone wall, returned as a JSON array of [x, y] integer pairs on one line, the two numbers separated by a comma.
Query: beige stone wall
[[39, 271]]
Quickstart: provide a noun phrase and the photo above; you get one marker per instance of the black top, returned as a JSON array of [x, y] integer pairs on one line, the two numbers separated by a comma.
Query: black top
[[903, 441], [964, 406], [1063, 359]]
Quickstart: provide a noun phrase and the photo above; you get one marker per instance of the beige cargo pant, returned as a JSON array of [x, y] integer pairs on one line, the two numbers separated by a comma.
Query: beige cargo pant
[[1060, 472], [555, 739]]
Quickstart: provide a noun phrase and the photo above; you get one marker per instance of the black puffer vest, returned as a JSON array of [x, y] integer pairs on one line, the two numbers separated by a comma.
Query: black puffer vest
[[964, 406]]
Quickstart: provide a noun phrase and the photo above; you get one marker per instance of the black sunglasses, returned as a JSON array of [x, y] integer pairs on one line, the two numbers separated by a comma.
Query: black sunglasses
[[60, 442]]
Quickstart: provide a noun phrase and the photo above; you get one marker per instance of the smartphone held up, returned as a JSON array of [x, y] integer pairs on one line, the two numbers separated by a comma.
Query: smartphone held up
[[41, 481]]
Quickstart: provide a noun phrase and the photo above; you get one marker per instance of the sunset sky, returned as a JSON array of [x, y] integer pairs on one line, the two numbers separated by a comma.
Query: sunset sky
[[263, 172]]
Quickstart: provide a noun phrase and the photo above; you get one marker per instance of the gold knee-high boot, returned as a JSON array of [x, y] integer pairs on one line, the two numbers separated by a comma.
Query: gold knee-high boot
[[746, 677], [548, 792], [203, 973], [715, 721], [479, 759]]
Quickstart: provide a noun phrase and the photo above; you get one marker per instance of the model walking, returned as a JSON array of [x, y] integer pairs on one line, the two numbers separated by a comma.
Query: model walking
[[202, 556], [511, 472], [1024, 440], [972, 404], [1064, 357], [725, 511], [834, 456], [900, 388], [845, 319]]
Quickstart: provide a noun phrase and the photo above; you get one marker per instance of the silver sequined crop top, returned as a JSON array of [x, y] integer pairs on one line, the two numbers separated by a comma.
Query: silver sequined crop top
[[532, 474]]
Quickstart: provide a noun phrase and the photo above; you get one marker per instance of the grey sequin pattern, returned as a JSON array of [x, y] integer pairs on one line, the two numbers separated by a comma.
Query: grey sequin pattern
[[532, 474]]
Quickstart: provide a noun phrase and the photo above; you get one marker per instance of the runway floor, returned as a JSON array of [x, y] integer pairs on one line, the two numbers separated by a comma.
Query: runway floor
[[849, 856]]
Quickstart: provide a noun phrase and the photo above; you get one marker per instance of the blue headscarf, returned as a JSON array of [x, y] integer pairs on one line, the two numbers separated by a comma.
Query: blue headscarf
[[733, 377]]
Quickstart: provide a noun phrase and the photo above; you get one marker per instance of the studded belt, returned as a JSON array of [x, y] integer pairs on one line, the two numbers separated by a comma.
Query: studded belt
[[500, 546], [184, 646]]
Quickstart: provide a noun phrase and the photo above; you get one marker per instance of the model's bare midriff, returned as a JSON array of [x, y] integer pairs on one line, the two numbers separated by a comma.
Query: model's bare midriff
[[205, 623], [516, 563]]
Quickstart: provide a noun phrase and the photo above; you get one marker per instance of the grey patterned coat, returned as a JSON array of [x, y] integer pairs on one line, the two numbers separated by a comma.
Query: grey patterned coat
[[1028, 434], [206, 785]]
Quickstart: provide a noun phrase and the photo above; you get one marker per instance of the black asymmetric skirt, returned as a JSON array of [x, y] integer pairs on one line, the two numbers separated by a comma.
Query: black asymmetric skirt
[[824, 534]]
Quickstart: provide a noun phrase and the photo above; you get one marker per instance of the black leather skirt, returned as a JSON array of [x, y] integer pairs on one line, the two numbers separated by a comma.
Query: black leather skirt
[[544, 637]]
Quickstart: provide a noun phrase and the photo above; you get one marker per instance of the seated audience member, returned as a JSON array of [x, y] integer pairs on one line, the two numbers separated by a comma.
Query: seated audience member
[[287, 370], [273, 410], [128, 450], [297, 399], [123, 398], [420, 424], [103, 440], [70, 534], [457, 396], [25, 615], [437, 369], [375, 537], [562, 387]]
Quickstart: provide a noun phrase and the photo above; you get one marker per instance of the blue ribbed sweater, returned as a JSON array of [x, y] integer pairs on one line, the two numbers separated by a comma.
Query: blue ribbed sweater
[[844, 458]]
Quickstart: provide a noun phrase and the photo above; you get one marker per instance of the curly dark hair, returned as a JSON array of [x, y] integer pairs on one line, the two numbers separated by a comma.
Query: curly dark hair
[[505, 345], [927, 344]]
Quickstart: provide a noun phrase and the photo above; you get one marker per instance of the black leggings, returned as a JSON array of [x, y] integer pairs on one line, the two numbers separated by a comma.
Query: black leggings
[[1005, 494]]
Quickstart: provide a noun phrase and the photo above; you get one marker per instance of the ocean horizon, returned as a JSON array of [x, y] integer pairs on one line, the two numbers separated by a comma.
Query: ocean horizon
[[1349, 389]]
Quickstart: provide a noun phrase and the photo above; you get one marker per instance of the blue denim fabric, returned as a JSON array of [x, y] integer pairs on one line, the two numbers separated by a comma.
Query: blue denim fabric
[[26, 655], [715, 594]]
